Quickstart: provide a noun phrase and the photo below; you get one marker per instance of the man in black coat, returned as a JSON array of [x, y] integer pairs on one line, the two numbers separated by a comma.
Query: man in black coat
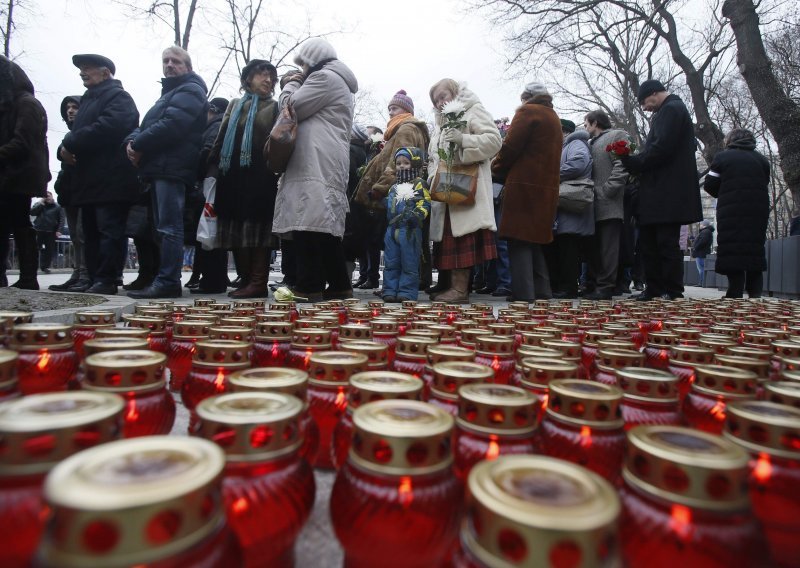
[[165, 149], [701, 248], [669, 189], [103, 182], [49, 218]]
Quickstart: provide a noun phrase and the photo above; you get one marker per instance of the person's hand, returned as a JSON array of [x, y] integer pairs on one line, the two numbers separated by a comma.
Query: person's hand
[[292, 76], [453, 135], [133, 155], [58, 235], [67, 157]]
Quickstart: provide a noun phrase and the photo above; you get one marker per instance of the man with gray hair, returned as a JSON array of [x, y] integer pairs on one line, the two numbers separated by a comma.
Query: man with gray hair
[[165, 149]]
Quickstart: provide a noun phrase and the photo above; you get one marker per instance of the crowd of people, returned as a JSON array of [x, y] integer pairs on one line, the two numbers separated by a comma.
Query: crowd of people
[[550, 209]]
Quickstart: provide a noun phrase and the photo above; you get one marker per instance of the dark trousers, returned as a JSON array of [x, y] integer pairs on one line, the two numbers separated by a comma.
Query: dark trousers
[[46, 242], [14, 219], [320, 261], [369, 261], [605, 254], [105, 241], [563, 257], [288, 262], [212, 266], [662, 258], [529, 276], [752, 280]]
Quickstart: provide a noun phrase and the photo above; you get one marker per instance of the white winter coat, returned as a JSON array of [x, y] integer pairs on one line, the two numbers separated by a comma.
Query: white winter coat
[[480, 144], [312, 193]]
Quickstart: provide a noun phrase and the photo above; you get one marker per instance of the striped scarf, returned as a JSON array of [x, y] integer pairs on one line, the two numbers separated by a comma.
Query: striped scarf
[[245, 157]]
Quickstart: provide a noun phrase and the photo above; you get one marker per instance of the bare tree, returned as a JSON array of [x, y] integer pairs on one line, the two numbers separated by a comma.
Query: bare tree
[[167, 12], [779, 111]]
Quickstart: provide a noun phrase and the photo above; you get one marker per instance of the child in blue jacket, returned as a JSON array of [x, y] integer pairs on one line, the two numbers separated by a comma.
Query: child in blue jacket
[[407, 206]]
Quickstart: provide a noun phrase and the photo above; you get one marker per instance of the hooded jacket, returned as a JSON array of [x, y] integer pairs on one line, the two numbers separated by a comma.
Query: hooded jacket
[[64, 179], [171, 135], [701, 247], [312, 193], [576, 163], [102, 173], [24, 157]]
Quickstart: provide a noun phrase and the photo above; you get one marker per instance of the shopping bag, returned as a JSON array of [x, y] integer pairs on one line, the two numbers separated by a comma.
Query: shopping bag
[[207, 234], [280, 144], [456, 185]]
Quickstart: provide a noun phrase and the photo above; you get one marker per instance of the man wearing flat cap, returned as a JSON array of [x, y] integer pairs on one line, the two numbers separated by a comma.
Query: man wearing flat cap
[[165, 150], [669, 190], [103, 183]]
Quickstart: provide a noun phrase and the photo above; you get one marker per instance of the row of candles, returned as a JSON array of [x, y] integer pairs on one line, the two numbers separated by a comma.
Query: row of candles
[[606, 389]]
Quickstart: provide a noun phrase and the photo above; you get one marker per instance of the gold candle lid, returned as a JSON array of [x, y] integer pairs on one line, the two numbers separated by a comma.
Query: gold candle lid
[[251, 426], [585, 403], [156, 326], [568, 349], [783, 392], [40, 430], [8, 368], [783, 348], [496, 409], [524, 351], [274, 316], [610, 359], [17, 317], [219, 314], [238, 321], [382, 385], [686, 334], [643, 383], [104, 344], [377, 353], [690, 356], [502, 328], [201, 303], [307, 322], [534, 338], [335, 366], [750, 352], [133, 502], [190, 329], [594, 335], [726, 381], [757, 337], [450, 375], [355, 332], [90, 319], [282, 306], [121, 332], [760, 426], [441, 353], [715, 342], [758, 366], [37, 336], [359, 313], [615, 344], [496, 346], [470, 336], [125, 371], [662, 338], [222, 353], [525, 509], [414, 347], [424, 334], [154, 312], [687, 467], [220, 306], [462, 324], [226, 332], [447, 333], [283, 380], [541, 371], [384, 326], [311, 338], [274, 330], [401, 437]]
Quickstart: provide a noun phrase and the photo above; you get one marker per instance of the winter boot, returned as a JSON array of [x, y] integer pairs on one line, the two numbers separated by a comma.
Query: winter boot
[[442, 285], [28, 254], [459, 287], [256, 286]]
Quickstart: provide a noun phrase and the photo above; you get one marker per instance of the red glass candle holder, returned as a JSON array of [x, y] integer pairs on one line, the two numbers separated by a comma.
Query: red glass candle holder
[[396, 492], [570, 351], [589, 348], [657, 351], [118, 332], [497, 352], [783, 392], [86, 324], [377, 353], [354, 332], [538, 511], [157, 331], [411, 355], [181, 350], [9, 389], [531, 351], [306, 342], [37, 432], [583, 425], [448, 377], [442, 354], [493, 420], [770, 433], [47, 358], [386, 332], [536, 376], [272, 343], [469, 337], [684, 501], [138, 377], [265, 475], [781, 349], [608, 361], [684, 360], [103, 345], [365, 388], [650, 397], [715, 386], [153, 501]]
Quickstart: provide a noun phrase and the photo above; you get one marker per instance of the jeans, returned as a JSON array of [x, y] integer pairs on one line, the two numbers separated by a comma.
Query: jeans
[[701, 270], [105, 243], [401, 253], [168, 199]]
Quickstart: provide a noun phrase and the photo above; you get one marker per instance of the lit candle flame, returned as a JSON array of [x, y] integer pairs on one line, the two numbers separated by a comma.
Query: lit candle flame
[[307, 358], [681, 521], [219, 382], [405, 491], [493, 450], [132, 415], [44, 360], [341, 400], [545, 400], [586, 437], [240, 506], [274, 349], [718, 411], [763, 469]]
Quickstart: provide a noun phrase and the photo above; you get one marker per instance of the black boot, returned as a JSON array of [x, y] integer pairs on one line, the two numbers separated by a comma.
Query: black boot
[[442, 284], [147, 253], [28, 254]]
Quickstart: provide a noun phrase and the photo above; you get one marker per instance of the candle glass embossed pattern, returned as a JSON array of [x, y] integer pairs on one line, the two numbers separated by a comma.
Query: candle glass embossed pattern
[[181, 350], [47, 358], [650, 396]]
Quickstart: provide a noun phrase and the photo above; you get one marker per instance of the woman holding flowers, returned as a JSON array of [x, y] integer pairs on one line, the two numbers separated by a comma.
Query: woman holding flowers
[[465, 134]]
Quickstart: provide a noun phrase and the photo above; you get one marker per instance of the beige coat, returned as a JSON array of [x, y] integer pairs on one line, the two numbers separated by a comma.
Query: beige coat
[[481, 142], [312, 194]]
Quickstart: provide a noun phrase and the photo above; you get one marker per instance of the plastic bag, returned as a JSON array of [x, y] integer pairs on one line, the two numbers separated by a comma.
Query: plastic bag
[[207, 234]]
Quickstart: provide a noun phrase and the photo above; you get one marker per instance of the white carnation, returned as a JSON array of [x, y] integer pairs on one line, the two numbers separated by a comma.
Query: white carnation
[[404, 192], [453, 107], [376, 138]]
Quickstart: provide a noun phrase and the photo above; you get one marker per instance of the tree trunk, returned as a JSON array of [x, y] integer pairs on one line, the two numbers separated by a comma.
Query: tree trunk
[[188, 29], [9, 25], [779, 112], [177, 25]]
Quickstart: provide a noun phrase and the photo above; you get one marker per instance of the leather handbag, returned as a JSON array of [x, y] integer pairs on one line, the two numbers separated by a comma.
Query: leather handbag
[[575, 195], [280, 144], [456, 185]]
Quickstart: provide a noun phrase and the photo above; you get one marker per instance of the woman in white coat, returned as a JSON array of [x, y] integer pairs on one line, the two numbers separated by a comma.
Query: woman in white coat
[[312, 194], [464, 232]]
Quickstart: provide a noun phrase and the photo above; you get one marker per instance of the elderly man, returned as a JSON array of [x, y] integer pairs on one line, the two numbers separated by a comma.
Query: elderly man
[[103, 182], [669, 190], [165, 149]]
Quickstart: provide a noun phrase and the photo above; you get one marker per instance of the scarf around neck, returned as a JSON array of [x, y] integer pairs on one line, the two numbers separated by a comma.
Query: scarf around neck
[[245, 156], [394, 124]]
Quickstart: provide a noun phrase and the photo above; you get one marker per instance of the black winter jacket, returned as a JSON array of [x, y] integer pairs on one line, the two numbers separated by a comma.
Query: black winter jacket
[[103, 173], [24, 157], [63, 182], [701, 247], [739, 179], [669, 188], [171, 134], [49, 217]]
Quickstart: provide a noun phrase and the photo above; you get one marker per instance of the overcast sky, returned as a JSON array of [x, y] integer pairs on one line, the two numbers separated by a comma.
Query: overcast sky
[[389, 46]]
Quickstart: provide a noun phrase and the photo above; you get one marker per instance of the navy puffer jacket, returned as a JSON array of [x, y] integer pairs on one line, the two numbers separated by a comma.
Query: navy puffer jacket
[[171, 135]]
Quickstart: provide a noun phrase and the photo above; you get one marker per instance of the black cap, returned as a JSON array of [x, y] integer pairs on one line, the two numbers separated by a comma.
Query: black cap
[[218, 105], [254, 64], [567, 126], [648, 88], [94, 59]]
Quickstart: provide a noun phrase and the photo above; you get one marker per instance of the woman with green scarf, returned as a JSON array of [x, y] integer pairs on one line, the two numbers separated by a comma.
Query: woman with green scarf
[[246, 189]]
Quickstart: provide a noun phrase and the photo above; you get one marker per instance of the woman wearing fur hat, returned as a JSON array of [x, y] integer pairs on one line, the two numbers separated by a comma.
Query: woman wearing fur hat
[[312, 195], [246, 189], [465, 232]]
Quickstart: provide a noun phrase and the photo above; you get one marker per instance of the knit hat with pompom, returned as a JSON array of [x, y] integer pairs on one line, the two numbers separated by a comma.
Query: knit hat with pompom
[[402, 100]]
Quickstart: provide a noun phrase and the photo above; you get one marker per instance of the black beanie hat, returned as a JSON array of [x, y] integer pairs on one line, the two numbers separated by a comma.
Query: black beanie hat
[[219, 105], [648, 88]]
